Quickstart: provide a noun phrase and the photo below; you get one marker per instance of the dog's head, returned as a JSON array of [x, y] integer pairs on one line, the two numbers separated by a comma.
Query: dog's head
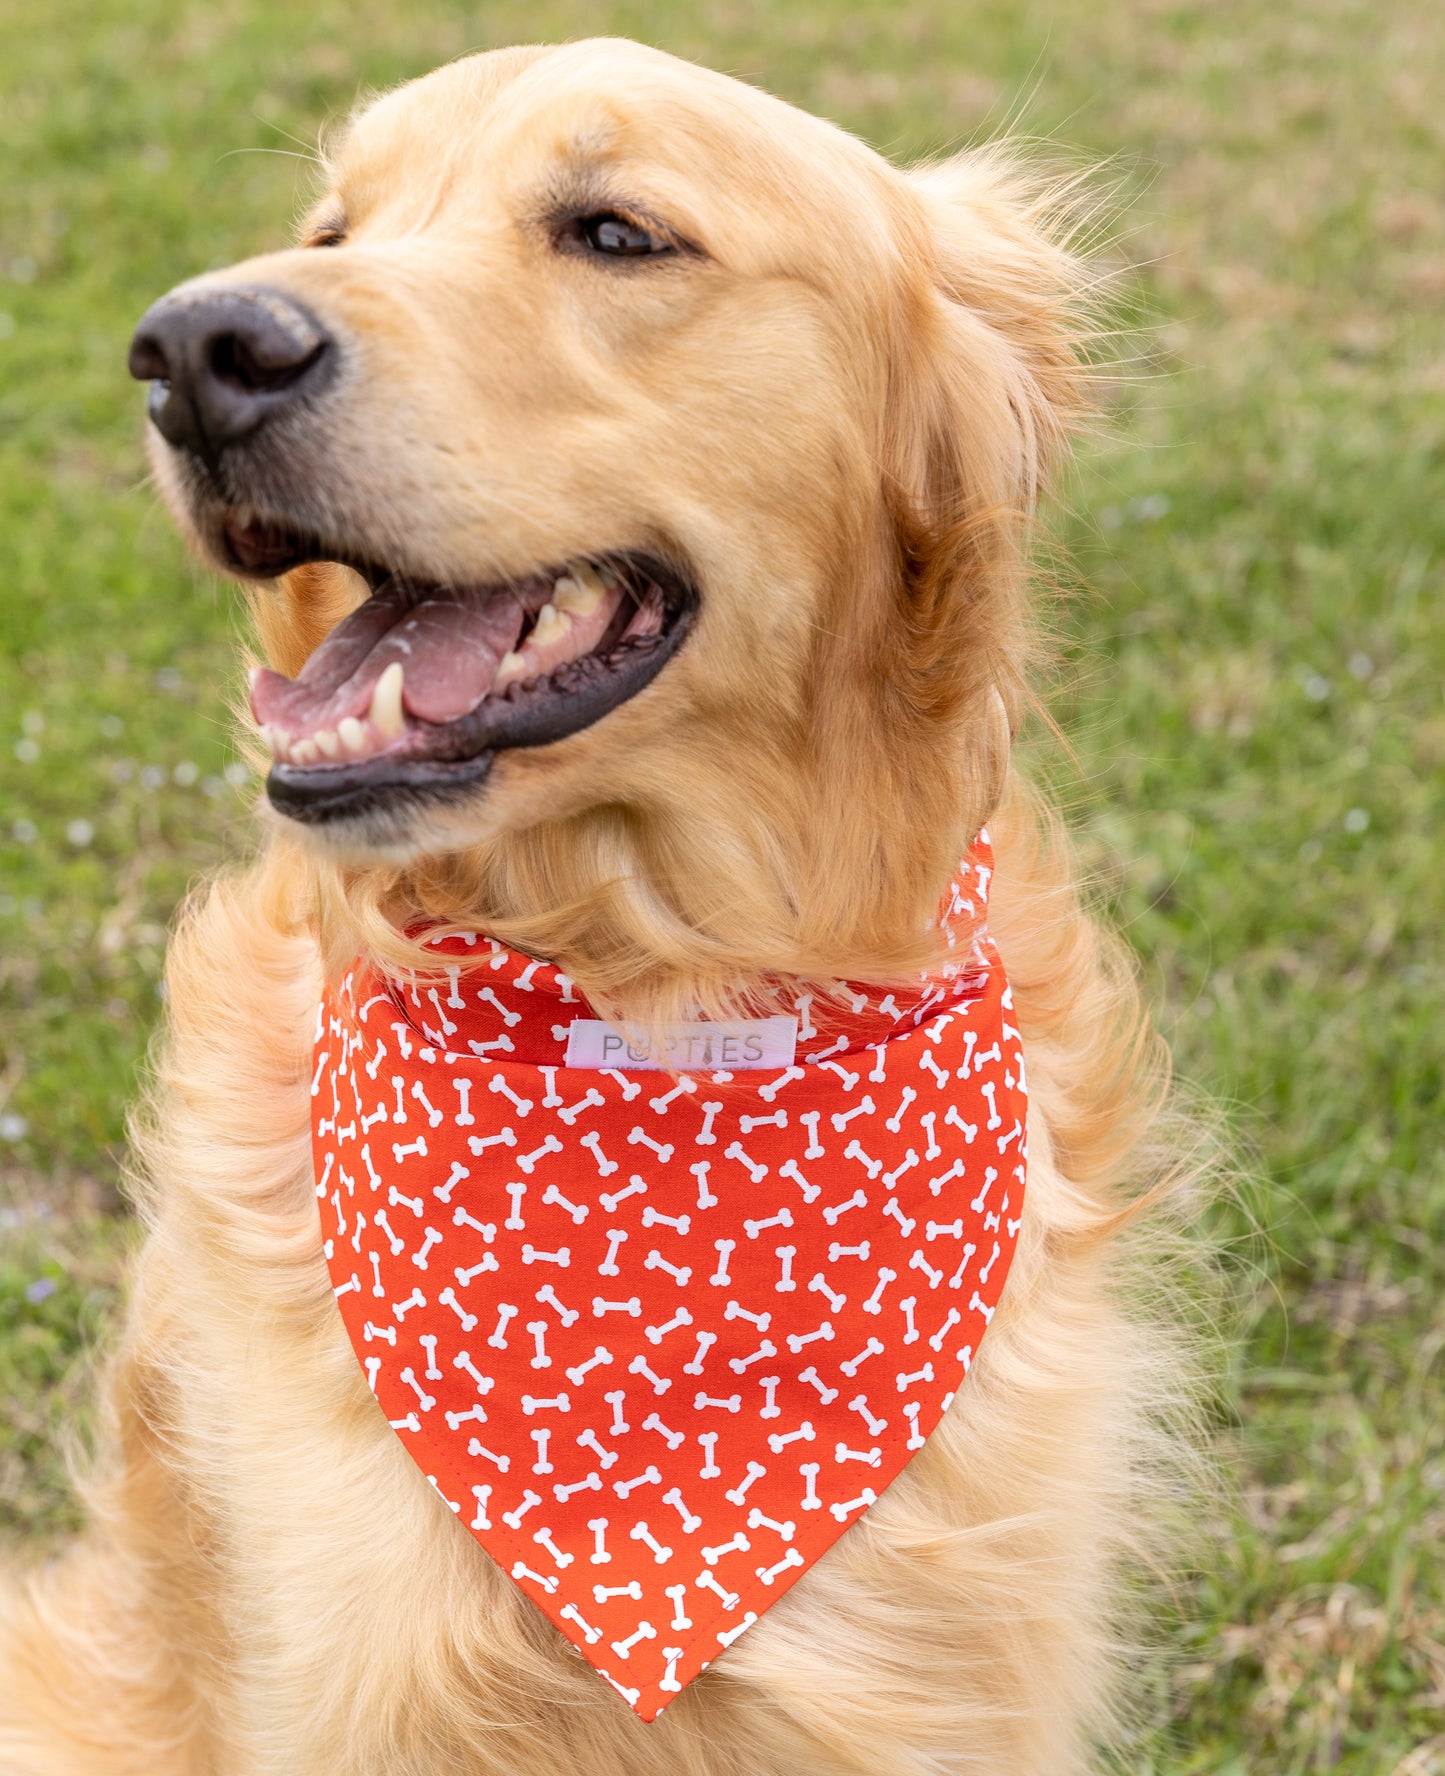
[[634, 473]]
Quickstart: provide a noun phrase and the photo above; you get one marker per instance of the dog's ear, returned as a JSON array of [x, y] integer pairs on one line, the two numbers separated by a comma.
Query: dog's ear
[[989, 380]]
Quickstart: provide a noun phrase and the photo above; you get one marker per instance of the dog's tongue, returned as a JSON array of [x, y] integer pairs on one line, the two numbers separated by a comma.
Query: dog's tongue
[[448, 646]]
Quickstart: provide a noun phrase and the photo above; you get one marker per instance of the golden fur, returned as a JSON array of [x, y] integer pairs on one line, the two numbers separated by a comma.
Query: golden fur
[[841, 417]]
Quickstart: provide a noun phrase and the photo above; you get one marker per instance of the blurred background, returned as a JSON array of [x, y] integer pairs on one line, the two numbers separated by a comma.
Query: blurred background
[[1250, 674]]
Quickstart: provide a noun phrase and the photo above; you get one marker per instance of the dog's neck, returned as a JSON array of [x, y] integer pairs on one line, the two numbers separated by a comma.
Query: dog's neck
[[607, 898]]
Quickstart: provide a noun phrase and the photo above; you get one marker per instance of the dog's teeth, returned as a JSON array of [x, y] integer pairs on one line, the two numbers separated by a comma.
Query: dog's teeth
[[550, 626], [385, 711], [351, 734], [610, 576], [305, 752], [329, 742], [509, 668], [580, 591]]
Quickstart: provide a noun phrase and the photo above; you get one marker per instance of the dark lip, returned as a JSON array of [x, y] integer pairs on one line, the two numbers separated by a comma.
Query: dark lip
[[356, 792], [458, 756], [270, 547], [527, 715]]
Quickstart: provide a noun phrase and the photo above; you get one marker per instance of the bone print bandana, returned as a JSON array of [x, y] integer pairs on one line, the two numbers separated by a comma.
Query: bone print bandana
[[659, 1338]]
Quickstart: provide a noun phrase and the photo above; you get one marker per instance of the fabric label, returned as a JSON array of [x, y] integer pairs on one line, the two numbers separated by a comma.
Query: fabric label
[[737, 1047]]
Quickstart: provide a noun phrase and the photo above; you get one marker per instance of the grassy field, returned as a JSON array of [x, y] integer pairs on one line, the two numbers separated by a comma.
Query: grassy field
[[1254, 692]]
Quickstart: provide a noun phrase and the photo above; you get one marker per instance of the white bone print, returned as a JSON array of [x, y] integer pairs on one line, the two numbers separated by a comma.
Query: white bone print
[[861, 1165]]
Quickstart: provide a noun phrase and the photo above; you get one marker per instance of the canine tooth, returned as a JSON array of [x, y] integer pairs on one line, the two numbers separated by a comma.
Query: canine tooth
[[329, 742], [550, 626], [385, 710], [509, 667], [351, 734]]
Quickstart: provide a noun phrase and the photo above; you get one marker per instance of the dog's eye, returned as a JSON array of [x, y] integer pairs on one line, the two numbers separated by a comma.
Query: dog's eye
[[619, 238], [327, 229]]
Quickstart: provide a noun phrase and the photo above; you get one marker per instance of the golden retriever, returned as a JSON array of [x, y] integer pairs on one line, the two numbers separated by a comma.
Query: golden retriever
[[570, 306]]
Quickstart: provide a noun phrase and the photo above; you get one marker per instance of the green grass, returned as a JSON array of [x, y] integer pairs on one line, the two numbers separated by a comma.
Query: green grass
[[1255, 701]]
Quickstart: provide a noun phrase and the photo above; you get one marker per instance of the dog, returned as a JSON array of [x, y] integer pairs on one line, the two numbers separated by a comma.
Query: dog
[[775, 416]]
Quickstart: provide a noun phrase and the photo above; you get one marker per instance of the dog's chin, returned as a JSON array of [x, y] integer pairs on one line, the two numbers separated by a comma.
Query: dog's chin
[[396, 823], [384, 744], [403, 830]]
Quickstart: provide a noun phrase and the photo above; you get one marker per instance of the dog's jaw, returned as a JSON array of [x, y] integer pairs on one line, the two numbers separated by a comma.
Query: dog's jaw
[[419, 687]]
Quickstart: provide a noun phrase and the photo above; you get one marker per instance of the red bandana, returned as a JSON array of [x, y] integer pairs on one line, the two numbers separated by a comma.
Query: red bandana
[[660, 1340]]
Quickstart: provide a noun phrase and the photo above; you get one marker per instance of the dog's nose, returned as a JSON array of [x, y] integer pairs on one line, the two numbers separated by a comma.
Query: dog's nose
[[222, 362]]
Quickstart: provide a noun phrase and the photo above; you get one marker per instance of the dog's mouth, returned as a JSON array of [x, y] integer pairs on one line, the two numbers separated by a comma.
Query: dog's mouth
[[424, 683]]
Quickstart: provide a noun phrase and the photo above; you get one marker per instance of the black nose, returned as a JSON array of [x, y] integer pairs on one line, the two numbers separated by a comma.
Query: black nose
[[222, 362]]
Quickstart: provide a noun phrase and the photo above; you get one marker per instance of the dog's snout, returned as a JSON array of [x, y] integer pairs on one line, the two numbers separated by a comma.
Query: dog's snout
[[222, 362]]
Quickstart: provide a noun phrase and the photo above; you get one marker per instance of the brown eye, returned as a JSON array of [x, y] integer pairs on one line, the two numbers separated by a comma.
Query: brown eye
[[328, 229], [619, 239]]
